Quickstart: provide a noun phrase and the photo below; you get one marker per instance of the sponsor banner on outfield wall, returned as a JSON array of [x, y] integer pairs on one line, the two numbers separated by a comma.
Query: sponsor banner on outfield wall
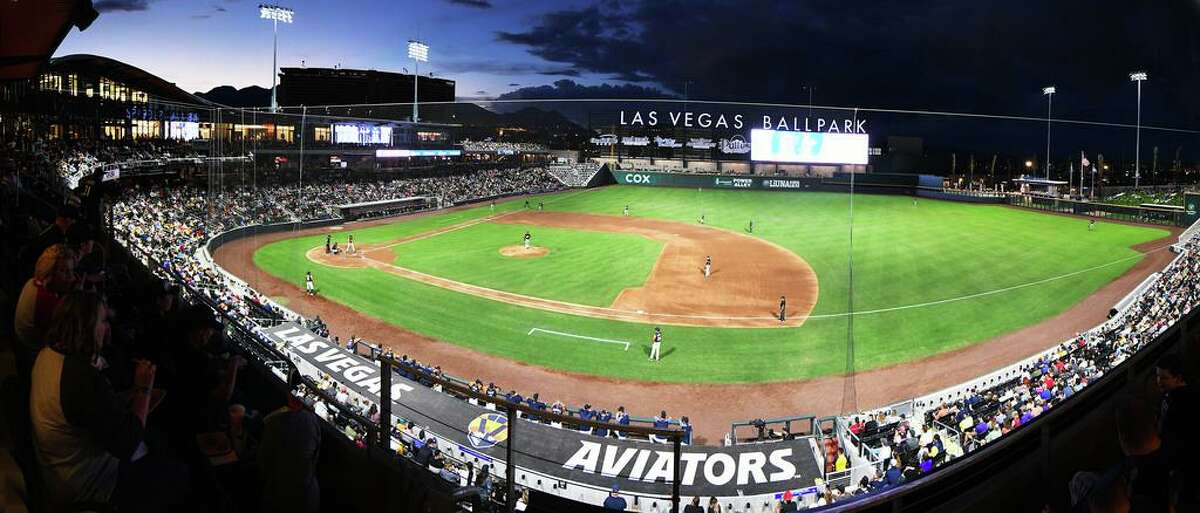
[[567, 455], [711, 181]]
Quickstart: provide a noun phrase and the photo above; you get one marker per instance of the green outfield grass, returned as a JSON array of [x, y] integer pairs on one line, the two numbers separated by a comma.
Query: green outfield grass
[[589, 268], [913, 267]]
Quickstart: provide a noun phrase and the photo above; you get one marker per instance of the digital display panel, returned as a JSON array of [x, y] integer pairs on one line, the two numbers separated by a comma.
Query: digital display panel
[[808, 147], [183, 130], [354, 133]]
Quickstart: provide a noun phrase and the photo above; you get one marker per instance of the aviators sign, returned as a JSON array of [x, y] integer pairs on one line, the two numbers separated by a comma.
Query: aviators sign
[[717, 120], [567, 455]]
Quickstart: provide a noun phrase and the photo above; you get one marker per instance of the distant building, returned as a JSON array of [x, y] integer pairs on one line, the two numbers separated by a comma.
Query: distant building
[[338, 86]]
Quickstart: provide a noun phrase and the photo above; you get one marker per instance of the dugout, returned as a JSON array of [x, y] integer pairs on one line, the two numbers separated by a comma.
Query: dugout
[[386, 207]]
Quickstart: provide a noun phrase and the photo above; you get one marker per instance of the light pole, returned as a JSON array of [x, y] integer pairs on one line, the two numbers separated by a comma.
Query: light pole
[[1049, 93], [1139, 77], [418, 52], [276, 14]]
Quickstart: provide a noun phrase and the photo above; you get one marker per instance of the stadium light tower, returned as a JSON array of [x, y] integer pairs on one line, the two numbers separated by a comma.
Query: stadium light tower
[[1139, 77], [276, 14], [418, 52], [1049, 93]]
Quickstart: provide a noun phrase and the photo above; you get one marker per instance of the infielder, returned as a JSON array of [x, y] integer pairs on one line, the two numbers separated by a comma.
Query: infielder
[[751, 226], [350, 244], [701, 218], [656, 345], [782, 309], [707, 266], [308, 283], [527, 239], [626, 213], [1091, 225], [541, 206]]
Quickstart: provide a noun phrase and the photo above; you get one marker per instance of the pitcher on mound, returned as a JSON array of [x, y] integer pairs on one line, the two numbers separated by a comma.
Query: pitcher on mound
[[527, 239]]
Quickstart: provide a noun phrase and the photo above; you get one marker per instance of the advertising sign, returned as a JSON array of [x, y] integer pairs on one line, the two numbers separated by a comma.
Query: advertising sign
[[572, 456]]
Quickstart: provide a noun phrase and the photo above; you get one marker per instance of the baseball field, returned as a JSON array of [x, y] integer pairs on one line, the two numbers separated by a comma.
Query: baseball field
[[921, 277]]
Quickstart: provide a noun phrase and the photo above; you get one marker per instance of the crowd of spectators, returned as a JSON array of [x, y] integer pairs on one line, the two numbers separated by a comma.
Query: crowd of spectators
[[489, 146], [574, 174]]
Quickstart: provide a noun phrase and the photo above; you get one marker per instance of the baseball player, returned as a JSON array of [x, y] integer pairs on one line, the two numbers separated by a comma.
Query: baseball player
[[493, 206], [527, 239], [541, 206], [1091, 225], [751, 226], [656, 345], [328, 241], [350, 244], [626, 213], [308, 283], [782, 309], [707, 266], [701, 218], [526, 203]]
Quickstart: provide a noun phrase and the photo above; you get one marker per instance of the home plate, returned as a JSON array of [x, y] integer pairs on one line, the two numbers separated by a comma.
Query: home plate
[[641, 311]]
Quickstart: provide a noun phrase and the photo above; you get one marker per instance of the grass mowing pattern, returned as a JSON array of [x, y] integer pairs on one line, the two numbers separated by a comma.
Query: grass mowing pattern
[[589, 268], [903, 255]]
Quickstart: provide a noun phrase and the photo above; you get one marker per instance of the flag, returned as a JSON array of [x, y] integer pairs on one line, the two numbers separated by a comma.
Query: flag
[[1084, 162]]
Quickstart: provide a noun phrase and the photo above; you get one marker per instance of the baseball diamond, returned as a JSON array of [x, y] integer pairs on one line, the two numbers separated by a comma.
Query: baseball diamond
[[917, 280]]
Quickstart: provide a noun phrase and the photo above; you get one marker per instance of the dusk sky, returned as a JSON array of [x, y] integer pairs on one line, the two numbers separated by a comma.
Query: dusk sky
[[981, 56], [200, 45]]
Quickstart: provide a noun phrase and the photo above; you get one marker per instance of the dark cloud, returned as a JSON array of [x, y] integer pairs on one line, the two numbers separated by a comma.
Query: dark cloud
[[987, 56], [121, 5], [568, 89], [513, 84], [479, 4], [566, 72], [506, 68]]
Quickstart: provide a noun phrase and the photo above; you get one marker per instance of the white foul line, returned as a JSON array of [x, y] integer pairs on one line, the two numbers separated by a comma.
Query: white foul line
[[605, 340]]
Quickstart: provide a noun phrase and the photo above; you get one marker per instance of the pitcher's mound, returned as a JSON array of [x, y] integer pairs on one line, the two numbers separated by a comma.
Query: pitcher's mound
[[520, 251]]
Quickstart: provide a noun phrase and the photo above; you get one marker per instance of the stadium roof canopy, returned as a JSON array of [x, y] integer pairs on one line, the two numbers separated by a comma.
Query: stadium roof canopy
[[157, 88], [30, 32]]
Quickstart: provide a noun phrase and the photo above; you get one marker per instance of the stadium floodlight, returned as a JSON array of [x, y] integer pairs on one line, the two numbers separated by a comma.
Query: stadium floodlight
[[276, 14], [418, 52], [1049, 93], [1139, 77]]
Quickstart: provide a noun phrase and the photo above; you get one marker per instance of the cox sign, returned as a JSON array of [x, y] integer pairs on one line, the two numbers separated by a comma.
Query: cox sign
[[638, 178]]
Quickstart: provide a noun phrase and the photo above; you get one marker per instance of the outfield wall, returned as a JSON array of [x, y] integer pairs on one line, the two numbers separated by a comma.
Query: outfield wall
[[867, 183]]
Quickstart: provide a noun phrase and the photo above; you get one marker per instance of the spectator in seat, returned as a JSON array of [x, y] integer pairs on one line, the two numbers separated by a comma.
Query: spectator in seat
[[1176, 426], [82, 429], [485, 483], [287, 459], [53, 234], [424, 455], [614, 501], [686, 427], [694, 506], [204, 377], [53, 277]]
